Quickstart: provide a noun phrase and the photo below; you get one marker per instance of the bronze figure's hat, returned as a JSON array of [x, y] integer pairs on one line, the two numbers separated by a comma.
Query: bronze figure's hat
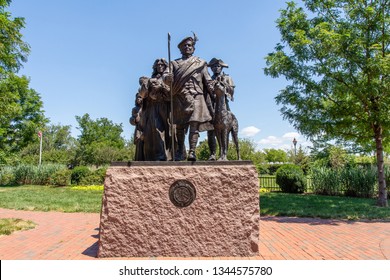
[[219, 61], [193, 39]]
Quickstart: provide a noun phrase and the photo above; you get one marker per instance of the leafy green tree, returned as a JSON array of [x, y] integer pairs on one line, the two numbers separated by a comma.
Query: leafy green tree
[[13, 50], [275, 155], [100, 141], [300, 158], [202, 150], [334, 157], [58, 137], [21, 126], [335, 54], [128, 152], [99, 130], [58, 146], [21, 113], [247, 151]]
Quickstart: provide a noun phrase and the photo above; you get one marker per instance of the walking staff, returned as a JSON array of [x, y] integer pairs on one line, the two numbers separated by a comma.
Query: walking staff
[[171, 114]]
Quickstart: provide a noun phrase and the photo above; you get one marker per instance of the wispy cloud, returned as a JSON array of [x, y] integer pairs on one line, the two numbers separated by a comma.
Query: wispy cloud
[[249, 131], [271, 140], [291, 135], [284, 142]]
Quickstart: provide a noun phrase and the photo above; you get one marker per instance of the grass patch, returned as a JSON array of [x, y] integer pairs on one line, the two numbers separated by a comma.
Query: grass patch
[[47, 198], [89, 199], [8, 226], [321, 206]]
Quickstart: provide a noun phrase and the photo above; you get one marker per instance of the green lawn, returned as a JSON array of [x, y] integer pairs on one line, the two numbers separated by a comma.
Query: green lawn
[[89, 199], [46, 198], [310, 205]]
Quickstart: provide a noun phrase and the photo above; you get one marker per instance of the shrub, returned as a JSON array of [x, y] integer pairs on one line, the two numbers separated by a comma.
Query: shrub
[[352, 181], [24, 174], [262, 168], [61, 178], [7, 176], [78, 173], [44, 173], [273, 168], [101, 173], [359, 181], [326, 181], [291, 179], [94, 178]]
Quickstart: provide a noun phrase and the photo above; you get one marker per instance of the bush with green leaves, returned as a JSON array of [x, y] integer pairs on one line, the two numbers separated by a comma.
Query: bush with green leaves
[[262, 168], [45, 172], [359, 181], [83, 175], [96, 177], [78, 173], [273, 168], [25, 174], [61, 178], [7, 176], [326, 181], [291, 179], [354, 181], [101, 174]]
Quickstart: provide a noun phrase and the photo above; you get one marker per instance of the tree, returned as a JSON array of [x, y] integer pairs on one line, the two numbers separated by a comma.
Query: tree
[[275, 155], [13, 50], [58, 146], [20, 125], [247, 151], [21, 113], [336, 56], [100, 141], [58, 137], [300, 158], [334, 157], [202, 150]]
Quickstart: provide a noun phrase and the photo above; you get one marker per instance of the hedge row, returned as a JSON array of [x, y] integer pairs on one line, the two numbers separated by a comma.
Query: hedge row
[[352, 181], [50, 174], [349, 181]]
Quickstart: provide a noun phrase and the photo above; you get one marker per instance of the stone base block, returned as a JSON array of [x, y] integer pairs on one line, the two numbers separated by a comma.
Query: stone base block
[[180, 209]]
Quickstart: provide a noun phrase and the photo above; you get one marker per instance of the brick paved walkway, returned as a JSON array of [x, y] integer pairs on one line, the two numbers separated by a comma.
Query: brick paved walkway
[[75, 235]]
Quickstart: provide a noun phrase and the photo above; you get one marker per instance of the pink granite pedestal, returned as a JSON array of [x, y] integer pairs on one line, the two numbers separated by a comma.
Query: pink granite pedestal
[[139, 219]]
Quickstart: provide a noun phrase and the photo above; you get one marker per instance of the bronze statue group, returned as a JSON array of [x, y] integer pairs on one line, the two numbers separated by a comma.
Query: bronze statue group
[[185, 92]]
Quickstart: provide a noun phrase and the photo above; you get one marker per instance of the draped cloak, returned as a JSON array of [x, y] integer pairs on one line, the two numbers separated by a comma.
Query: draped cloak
[[190, 89]]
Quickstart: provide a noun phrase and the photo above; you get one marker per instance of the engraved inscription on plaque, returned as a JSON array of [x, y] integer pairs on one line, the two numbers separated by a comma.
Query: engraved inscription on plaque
[[182, 193]]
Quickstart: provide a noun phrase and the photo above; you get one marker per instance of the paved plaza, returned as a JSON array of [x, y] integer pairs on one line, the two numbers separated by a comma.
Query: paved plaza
[[74, 236]]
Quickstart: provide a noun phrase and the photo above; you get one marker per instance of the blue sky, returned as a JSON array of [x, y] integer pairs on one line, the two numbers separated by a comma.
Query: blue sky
[[86, 56]]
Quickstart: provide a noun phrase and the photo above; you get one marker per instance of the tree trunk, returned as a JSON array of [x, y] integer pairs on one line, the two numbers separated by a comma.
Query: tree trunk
[[382, 192]]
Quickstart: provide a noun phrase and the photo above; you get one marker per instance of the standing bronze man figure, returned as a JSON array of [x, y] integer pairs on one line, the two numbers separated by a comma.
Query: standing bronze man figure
[[191, 83]]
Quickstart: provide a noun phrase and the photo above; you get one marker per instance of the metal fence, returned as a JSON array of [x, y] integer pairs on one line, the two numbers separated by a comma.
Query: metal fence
[[268, 182]]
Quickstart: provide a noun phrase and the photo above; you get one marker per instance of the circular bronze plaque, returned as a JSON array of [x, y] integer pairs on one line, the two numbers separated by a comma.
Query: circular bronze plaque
[[182, 193]]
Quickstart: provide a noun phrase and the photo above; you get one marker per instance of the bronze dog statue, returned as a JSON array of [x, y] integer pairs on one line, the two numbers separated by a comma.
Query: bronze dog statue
[[225, 122]]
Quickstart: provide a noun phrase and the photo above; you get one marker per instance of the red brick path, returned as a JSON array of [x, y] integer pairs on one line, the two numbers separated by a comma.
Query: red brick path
[[75, 235]]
